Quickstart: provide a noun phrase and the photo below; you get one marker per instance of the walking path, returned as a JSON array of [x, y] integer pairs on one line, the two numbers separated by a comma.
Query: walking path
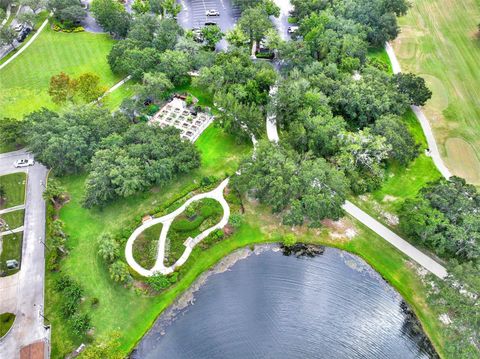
[[24, 47], [392, 238], [12, 209], [11, 231], [427, 130], [159, 267]]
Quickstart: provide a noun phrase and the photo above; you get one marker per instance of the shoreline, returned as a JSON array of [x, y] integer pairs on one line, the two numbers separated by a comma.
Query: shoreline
[[350, 259]]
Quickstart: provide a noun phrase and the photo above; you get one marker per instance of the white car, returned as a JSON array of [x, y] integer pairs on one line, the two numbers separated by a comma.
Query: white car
[[24, 162], [18, 27], [292, 29], [212, 12]]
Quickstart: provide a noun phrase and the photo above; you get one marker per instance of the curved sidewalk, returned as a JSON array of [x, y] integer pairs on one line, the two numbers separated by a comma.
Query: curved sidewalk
[[159, 267], [427, 130], [392, 238]]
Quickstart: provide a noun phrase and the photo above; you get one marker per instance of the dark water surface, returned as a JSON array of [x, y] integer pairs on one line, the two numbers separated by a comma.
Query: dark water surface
[[274, 306]]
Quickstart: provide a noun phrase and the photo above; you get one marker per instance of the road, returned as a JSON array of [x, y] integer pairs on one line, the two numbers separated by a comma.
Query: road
[[193, 15], [427, 130], [5, 50], [23, 292]]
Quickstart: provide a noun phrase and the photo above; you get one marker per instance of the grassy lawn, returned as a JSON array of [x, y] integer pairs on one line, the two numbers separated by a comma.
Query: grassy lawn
[[198, 217], [24, 82], [14, 187], [119, 307], [113, 100], [145, 246], [11, 249], [13, 219], [6, 321], [379, 53], [439, 40]]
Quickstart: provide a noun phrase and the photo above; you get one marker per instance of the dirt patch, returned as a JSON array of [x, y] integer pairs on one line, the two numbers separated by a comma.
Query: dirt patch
[[462, 160], [342, 229]]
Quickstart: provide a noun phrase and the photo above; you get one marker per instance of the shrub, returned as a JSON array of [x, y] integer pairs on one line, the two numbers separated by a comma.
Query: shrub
[[289, 240], [95, 301], [119, 272], [78, 29], [80, 323], [107, 247], [62, 282], [158, 282], [236, 220]]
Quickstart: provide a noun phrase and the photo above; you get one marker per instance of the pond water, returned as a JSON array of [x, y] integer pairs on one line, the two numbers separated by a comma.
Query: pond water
[[268, 305]]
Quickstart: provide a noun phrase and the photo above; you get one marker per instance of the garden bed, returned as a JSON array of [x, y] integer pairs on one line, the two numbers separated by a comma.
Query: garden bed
[[196, 218], [6, 322], [11, 249], [145, 247]]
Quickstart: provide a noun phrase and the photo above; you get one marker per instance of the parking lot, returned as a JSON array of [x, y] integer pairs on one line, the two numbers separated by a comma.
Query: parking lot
[[193, 15]]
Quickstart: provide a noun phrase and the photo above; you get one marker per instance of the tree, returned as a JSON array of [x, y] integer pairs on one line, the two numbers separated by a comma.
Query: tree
[[236, 37], [108, 247], [112, 16], [27, 18], [128, 59], [11, 131], [175, 65], [3, 14], [212, 34], [62, 88], [119, 272], [8, 36], [88, 87], [361, 157], [35, 5], [141, 7], [403, 146], [171, 8], [68, 12], [54, 192], [167, 34], [155, 86], [255, 23], [413, 87]]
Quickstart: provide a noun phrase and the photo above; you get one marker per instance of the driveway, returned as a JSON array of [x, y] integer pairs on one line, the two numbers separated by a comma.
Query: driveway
[[23, 293], [193, 15]]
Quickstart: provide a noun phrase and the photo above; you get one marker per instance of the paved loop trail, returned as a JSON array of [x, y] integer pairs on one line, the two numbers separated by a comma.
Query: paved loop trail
[[159, 267]]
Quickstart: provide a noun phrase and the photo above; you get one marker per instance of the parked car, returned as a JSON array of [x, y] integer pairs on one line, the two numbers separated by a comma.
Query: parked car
[[24, 162], [212, 12], [292, 29], [18, 27], [210, 23], [21, 37]]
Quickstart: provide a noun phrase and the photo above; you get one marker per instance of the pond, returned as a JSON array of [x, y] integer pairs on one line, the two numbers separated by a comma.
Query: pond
[[269, 305]]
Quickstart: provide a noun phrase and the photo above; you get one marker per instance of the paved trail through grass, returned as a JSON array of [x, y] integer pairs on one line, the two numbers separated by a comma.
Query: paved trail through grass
[[440, 41]]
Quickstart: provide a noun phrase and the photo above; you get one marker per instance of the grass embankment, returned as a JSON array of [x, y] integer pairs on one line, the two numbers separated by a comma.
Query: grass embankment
[[13, 219], [119, 307], [6, 322], [24, 82], [11, 249], [145, 247], [440, 41], [196, 218], [14, 188]]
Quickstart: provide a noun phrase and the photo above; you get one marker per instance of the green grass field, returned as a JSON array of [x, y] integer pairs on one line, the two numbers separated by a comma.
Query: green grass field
[[14, 188], [439, 40], [11, 249], [145, 247], [24, 82], [6, 321], [118, 306], [13, 219]]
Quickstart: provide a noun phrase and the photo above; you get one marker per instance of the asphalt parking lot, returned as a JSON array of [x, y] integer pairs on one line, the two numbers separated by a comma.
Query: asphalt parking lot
[[193, 15]]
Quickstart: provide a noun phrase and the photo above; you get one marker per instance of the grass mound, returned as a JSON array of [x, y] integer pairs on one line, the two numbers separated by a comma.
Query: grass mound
[[197, 217], [6, 322], [11, 249], [146, 245], [13, 188]]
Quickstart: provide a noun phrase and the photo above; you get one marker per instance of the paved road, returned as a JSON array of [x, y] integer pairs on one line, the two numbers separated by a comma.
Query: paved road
[[5, 50], [193, 15], [90, 24], [23, 293], [427, 130], [282, 21], [167, 220]]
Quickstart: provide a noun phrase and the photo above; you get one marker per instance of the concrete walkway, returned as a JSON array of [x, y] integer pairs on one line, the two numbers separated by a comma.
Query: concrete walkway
[[12, 209], [166, 221], [392, 238], [427, 130], [12, 231]]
